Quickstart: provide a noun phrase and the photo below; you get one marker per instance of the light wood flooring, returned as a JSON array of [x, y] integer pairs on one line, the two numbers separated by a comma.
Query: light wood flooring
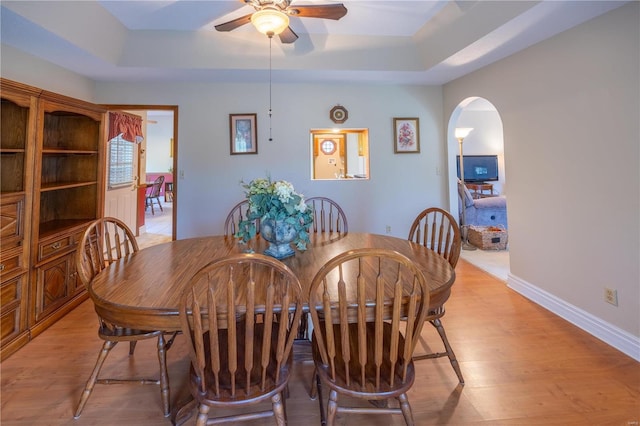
[[522, 366], [158, 226], [495, 262]]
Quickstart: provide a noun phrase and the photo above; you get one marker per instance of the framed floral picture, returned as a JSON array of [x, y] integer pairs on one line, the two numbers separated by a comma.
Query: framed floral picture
[[243, 129], [406, 139]]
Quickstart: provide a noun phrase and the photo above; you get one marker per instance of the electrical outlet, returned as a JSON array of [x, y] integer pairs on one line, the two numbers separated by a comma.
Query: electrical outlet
[[388, 229], [611, 296]]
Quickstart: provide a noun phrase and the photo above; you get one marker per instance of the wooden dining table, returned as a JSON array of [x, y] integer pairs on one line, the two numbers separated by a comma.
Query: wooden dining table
[[143, 290]]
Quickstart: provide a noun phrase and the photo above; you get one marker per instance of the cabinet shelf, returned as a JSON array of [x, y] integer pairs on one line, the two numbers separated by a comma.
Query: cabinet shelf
[[12, 170], [14, 120], [57, 151], [64, 201], [70, 131], [61, 170], [4, 193], [65, 185], [10, 151]]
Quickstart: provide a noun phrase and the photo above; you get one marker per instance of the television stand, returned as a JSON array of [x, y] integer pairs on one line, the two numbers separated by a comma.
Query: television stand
[[478, 189]]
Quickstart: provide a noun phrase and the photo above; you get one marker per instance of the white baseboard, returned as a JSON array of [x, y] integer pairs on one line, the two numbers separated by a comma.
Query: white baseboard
[[608, 333]]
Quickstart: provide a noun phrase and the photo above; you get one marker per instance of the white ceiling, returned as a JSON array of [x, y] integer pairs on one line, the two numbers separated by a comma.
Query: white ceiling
[[389, 42]]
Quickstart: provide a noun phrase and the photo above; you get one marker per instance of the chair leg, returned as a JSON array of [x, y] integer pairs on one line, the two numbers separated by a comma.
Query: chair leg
[[452, 356], [302, 329], [164, 376], [132, 346], [313, 389], [102, 356], [323, 417], [159, 204], [278, 410], [406, 409], [203, 415], [332, 408], [284, 398]]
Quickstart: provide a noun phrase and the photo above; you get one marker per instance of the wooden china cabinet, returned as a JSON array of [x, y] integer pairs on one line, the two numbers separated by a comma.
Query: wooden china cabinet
[[18, 117], [56, 144]]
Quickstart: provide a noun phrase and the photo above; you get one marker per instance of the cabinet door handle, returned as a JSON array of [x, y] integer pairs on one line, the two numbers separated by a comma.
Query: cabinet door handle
[[56, 246], [1, 266]]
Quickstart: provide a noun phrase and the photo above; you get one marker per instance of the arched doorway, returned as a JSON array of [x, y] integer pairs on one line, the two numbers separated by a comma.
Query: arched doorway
[[486, 139]]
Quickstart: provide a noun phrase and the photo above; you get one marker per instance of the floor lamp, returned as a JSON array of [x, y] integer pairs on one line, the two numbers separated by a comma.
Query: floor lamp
[[461, 133]]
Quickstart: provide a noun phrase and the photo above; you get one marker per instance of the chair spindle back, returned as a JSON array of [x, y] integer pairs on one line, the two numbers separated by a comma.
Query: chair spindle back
[[437, 230]]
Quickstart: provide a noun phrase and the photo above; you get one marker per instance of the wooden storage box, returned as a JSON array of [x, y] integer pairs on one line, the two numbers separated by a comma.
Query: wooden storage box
[[488, 237]]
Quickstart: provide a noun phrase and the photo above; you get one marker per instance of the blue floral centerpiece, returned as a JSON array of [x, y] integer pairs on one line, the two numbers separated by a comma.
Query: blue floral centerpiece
[[284, 216]]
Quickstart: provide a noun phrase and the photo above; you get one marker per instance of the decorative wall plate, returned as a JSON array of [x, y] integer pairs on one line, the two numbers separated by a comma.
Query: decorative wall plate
[[338, 114]]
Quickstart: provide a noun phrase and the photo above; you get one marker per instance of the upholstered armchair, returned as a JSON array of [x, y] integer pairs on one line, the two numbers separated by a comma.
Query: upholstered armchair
[[488, 211]]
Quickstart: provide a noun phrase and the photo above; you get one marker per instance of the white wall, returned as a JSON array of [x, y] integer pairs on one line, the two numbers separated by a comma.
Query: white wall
[[24, 68], [400, 185], [570, 108], [159, 134]]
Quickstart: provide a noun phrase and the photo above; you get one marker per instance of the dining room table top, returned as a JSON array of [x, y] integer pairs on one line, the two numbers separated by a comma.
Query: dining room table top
[[143, 290]]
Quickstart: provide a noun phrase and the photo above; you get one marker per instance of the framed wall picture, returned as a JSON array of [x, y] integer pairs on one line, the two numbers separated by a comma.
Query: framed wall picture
[[406, 137], [243, 129]]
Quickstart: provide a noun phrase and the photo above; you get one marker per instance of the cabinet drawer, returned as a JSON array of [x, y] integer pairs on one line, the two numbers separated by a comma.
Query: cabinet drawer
[[11, 291], [9, 324], [12, 262], [11, 221], [77, 237], [11, 300], [54, 246]]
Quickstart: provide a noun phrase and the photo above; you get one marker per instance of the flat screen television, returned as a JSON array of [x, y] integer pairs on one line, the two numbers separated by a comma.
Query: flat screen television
[[478, 168]]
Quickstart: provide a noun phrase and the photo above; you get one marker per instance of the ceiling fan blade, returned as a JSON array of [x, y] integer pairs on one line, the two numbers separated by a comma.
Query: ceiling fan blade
[[288, 36], [235, 23], [327, 11]]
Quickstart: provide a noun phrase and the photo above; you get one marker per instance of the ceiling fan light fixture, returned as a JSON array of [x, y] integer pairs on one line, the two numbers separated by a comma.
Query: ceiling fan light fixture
[[270, 21]]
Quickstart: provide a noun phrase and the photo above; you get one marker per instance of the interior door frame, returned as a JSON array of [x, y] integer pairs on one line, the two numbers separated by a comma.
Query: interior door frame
[[174, 108]]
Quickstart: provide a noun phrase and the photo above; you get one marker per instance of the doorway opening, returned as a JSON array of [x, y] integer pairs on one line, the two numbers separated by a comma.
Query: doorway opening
[[152, 220], [486, 139]]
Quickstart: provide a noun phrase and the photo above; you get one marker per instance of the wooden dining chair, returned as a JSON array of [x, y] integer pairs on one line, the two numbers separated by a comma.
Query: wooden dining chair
[[154, 194], [238, 213], [362, 346], [105, 241], [330, 219], [328, 216], [241, 315], [437, 230]]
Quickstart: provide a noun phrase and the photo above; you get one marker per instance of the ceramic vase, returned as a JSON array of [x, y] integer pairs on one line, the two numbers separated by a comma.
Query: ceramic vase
[[279, 234]]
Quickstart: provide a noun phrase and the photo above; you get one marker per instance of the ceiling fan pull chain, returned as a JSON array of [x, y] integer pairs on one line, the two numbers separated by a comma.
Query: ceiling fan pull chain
[[270, 42]]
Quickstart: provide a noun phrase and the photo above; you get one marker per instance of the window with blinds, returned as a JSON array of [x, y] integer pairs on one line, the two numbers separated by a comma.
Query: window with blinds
[[121, 154]]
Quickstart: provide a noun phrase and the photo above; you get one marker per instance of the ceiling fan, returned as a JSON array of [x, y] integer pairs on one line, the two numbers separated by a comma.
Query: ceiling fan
[[272, 17]]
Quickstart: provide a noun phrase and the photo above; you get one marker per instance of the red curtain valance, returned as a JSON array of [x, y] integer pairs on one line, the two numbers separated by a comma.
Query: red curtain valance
[[127, 125]]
